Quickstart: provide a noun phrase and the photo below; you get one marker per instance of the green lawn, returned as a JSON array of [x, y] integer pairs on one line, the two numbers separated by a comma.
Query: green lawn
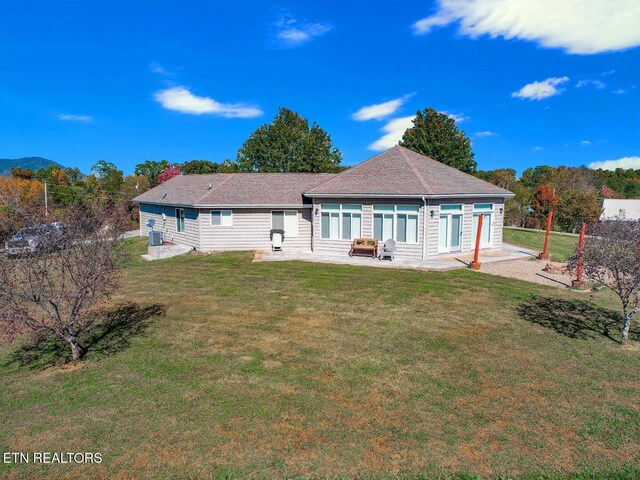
[[224, 367], [561, 246]]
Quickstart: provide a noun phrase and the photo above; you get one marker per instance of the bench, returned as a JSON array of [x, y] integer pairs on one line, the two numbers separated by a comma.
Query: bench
[[364, 247]]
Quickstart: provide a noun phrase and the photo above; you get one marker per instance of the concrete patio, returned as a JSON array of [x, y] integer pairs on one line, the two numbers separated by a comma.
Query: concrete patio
[[446, 262]]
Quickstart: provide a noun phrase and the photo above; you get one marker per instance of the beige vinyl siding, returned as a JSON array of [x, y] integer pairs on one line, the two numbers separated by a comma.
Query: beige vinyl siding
[[341, 247], [190, 237], [250, 230]]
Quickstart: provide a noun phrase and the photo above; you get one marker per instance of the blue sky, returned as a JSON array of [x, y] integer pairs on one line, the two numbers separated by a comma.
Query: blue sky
[[540, 82]]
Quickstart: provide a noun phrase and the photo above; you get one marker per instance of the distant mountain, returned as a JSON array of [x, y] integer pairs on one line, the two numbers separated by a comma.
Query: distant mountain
[[34, 163]]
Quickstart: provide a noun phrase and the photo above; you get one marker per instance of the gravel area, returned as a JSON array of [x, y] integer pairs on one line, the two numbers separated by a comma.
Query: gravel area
[[529, 270]]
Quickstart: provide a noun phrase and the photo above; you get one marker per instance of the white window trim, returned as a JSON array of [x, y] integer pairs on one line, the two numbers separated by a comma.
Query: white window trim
[[482, 211], [184, 220], [395, 212], [340, 213], [450, 213], [285, 230], [220, 226]]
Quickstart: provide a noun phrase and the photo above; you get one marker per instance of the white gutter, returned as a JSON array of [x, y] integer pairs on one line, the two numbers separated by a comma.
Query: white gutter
[[424, 230], [373, 196], [191, 205], [313, 226]]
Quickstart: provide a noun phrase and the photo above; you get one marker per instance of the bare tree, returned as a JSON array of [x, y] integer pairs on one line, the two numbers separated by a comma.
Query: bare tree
[[74, 268], [612, 259]]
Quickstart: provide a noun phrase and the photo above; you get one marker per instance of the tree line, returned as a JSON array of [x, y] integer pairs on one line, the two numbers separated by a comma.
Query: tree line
[[290, 143]]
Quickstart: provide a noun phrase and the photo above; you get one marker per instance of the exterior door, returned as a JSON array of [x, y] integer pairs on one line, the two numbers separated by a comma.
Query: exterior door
[[486, 236], [450, 233], [455, 233]]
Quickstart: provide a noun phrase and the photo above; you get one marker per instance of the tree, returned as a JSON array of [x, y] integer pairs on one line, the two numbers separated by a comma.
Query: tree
[[612, 259], [198, 167], [170, 172], [151, 169], [435, 135], [74, 269], [545, 200], [24, 173], [288, 144], [109, 178]]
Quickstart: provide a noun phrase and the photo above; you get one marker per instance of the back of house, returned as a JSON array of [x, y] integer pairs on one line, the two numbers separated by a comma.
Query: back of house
[[427, 207]]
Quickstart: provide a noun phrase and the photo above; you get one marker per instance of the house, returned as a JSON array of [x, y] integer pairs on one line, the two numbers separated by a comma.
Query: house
[[429, 208], [620, 209]]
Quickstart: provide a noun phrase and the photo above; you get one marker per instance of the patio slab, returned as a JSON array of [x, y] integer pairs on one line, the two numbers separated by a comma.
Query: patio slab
[[448, 262]]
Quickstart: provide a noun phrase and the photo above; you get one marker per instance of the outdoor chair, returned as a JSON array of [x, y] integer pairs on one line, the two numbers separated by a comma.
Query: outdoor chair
[[277, 237], [388, 250]]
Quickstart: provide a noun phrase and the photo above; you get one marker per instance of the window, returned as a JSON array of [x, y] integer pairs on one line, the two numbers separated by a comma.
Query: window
[[222, 218], [286, 220], [399, 222], [341, 221], [180, 220]]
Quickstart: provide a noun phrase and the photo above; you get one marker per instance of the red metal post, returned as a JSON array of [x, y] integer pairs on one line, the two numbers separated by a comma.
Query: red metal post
[[545, 251], [476, 264], [578, 282]]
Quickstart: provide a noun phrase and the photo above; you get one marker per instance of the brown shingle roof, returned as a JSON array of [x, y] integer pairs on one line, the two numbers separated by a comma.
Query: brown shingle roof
[[235, 189], [399, 171], [396, 171]]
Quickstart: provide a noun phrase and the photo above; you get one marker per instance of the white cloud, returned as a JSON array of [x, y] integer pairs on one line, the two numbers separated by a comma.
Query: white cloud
[[620, 91], [585, 143], [578, 26], [537, 149], [182, 100], [485, 134], [596, 83], [624, 162], [541, 90], [608, 72], [288, 32], [458, 117], [378, 111], [393, 131], [75, 118]]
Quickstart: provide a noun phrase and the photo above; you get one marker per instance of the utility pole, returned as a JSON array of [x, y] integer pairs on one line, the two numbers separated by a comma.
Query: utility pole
[[46, 199]]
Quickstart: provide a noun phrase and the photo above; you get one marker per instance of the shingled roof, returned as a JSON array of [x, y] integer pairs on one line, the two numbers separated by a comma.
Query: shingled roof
[[395, 172], [235, 189], [402, 172]]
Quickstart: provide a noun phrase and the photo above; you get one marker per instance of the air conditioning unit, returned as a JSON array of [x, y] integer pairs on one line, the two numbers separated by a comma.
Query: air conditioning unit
[[155, 238]]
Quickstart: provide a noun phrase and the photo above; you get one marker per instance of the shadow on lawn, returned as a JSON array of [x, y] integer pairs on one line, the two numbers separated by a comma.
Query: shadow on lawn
[[110, 333], [575, 318]]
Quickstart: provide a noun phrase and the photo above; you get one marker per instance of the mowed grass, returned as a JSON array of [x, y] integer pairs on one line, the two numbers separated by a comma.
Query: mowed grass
[[561, 246], [291, 369]]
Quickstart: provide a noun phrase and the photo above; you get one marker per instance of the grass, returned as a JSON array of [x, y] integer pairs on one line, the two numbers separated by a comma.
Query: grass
[[291, 369], [561, 246]]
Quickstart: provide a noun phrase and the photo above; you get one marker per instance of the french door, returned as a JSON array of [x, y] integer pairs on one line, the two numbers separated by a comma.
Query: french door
[[450, 232]]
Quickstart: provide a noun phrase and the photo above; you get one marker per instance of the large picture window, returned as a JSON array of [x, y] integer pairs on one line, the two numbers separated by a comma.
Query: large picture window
[[180, 220], [340, 221], [399, 222], [222, 218], [286, 220]]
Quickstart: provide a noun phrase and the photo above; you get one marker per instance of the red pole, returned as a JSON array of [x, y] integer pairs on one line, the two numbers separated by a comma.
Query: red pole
[[545, 252], [578, 282], [476, 264]]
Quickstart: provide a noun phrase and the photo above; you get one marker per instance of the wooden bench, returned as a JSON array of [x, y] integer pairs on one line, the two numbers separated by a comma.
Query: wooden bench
[[364, 247]]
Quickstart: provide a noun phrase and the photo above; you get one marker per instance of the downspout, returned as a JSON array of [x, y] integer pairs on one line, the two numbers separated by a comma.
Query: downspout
[[313, 223], [424, 230]]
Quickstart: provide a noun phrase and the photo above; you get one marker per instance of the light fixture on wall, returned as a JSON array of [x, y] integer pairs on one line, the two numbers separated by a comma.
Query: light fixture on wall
[[501, 209], [433, 213]]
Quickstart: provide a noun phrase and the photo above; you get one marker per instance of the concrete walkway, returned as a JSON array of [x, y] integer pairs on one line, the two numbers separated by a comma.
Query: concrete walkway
[[445, 262]]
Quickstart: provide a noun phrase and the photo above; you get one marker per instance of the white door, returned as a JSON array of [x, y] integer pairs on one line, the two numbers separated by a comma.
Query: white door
[[450, 233], [486, 236]]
